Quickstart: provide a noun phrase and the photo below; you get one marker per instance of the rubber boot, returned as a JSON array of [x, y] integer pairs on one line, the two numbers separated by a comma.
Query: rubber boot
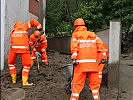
[[45, 63], [13, 78], [25, 81]]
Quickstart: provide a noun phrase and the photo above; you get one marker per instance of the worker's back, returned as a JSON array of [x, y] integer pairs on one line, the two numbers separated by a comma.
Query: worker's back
[[87, 45]]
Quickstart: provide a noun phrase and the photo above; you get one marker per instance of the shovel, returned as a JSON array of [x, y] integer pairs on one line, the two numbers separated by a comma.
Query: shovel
[[68, 71], [38, 64], [37, 59]]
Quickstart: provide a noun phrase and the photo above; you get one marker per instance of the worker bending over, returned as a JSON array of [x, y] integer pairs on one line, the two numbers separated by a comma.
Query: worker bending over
[[38, 44], [19, 44], [85, 46]]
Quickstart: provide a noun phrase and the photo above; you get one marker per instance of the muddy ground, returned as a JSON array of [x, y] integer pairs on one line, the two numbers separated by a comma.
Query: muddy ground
[[50, 84]]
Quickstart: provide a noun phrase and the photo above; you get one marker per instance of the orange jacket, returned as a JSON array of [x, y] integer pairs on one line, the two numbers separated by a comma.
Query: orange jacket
[[85, 46], [19, 36], [42, 42], [105, 55]]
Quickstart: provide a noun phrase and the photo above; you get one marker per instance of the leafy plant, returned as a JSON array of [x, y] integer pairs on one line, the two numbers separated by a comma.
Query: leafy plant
[[97, 15]]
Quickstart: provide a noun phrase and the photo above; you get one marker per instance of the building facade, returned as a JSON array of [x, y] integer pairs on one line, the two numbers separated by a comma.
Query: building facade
[[12, 11]]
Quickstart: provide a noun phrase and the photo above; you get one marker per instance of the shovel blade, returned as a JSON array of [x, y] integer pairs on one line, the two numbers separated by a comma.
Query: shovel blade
[[67, 71]]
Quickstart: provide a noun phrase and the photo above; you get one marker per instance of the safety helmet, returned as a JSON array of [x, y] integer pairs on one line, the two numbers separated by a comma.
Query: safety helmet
[[37, 34], [17, 24], [79, 22]]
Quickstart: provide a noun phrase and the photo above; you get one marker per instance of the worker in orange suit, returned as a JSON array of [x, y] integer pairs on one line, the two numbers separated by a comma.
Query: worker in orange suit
[[20, 45], [85, 46], [39, 49], [101, 65]]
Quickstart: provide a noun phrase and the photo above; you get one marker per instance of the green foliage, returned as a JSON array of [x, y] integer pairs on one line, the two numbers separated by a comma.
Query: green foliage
[[91, 13], [54, 15], [65, 29], [97, 14], [123, 10]]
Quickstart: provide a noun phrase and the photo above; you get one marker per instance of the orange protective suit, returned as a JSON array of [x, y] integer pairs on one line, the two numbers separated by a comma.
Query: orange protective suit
[[41, 47], [101, 66], [20, 45], [85, 46]]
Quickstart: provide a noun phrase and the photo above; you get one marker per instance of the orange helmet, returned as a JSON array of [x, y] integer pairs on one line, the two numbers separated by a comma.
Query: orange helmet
[[37, 34], [79, 22]]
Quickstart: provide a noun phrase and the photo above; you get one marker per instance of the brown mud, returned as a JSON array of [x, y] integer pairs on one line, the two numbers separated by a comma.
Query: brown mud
[[49, 83]]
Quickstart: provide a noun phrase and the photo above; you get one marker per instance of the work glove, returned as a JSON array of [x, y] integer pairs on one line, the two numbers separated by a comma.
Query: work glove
[[103, 61], [73, 57], [74, 62], [41, 31], [37, 54]]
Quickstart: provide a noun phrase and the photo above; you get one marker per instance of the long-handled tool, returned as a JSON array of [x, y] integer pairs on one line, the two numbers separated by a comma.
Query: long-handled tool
[[38, 65], [37, 53], [68, 72], [37, 59]]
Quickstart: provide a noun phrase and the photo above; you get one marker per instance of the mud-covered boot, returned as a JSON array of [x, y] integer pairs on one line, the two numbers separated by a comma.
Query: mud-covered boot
[[25, 81], [46, 63], [13, 78]]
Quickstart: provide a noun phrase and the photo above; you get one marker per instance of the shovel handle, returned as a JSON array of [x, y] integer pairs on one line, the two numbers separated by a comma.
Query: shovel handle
[[38, 67]]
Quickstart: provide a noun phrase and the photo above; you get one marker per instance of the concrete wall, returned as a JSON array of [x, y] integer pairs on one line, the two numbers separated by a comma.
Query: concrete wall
[[62, 44], [114, 53], [104, 35], [15, 10], [2, 30]]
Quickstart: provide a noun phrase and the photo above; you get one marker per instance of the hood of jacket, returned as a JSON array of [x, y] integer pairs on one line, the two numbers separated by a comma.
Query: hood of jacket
[[80, 28]]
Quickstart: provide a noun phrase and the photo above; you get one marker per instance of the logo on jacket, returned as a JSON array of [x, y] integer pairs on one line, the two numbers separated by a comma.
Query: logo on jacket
[[85, 45], [16, 35]]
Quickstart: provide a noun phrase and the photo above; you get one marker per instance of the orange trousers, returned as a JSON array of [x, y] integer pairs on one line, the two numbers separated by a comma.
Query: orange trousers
[[78, 84], [26, 62], [43, 56], [101, 66]]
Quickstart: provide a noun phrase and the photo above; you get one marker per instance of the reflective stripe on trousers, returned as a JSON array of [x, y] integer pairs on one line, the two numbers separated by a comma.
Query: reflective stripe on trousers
[[44, 60], [74, 96], [26, 69], [11, 66], [100, 75], [95, 94]]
